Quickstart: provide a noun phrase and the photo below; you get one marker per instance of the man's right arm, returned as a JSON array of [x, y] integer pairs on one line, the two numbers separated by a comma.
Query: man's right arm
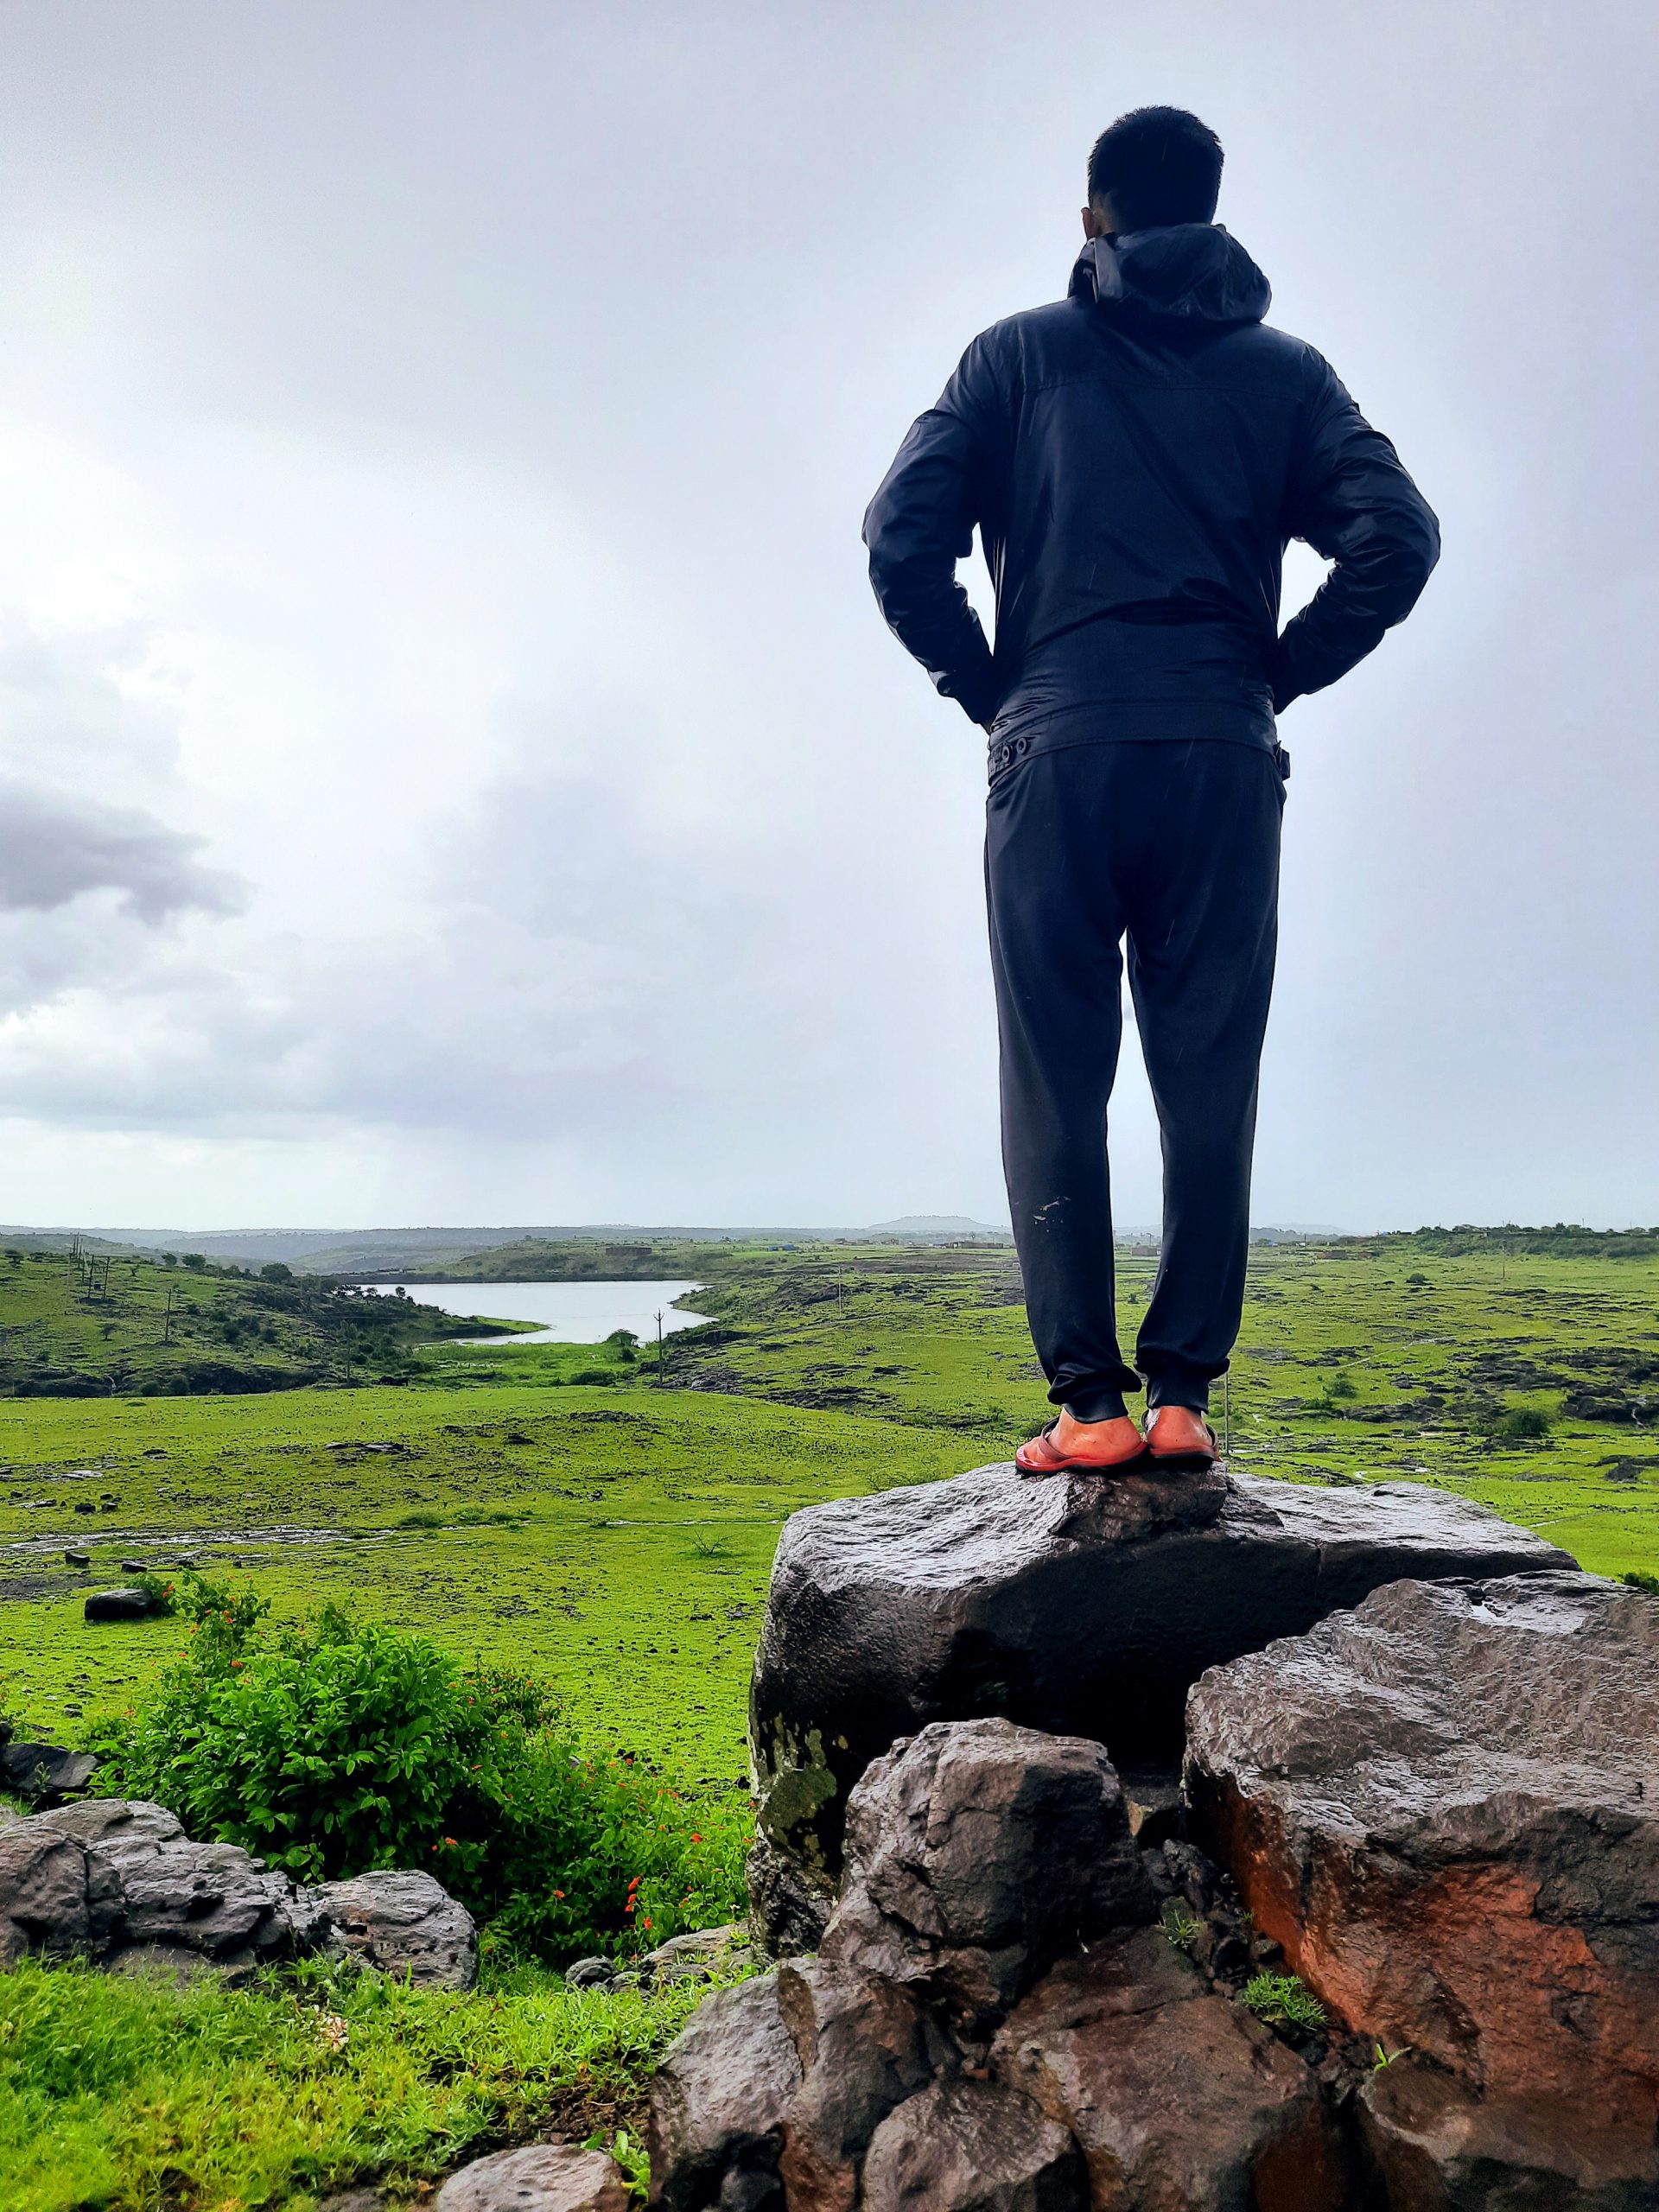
[[921, 523], [1353, 502]]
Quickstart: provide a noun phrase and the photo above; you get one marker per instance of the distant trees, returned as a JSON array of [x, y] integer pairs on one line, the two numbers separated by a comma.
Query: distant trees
[[196, 1261], [276, 1271]]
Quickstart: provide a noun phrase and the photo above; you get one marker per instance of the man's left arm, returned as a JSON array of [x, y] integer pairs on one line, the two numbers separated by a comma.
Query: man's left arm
[[921, 523], [1353, 502]]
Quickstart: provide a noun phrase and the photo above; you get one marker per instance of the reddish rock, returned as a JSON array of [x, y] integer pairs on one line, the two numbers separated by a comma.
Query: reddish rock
[[1180, 2101], [1445, 1805], [1438, 2146]]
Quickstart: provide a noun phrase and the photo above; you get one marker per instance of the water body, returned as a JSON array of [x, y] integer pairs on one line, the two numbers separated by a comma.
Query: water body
[[570, 1313]]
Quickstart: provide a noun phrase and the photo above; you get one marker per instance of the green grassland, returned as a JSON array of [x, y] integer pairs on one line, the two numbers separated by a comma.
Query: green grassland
[[615, 1535]]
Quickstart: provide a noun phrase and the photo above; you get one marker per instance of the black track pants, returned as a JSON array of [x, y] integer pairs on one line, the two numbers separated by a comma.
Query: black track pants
[[1173, 844]]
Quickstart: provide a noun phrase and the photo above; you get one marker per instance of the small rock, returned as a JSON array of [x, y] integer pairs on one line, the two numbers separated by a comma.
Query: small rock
[[697, 1956], [44, 1770], [124, 1606], [401, 1923], [588, 1973], [110, 1876], [540, 2177], [973, 2146], [976, 1853], [1155, 1805], [78, 1559], [866, 2047], [86, 1505], [1177, 2098], [718, 2101], [1435, 2142]]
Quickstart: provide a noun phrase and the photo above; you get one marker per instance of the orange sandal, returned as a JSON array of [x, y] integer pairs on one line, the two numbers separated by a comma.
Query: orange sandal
[[1042, 1456], [1176, 1436]]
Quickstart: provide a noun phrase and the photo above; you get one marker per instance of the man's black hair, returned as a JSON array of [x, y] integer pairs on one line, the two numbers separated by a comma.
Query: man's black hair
[[1158, 165]]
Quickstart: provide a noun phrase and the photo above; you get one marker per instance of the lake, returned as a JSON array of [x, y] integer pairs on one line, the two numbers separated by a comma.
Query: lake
[[570, 1312]]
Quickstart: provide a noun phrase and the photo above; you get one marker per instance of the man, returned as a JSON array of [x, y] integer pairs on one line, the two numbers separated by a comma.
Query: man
[[1135, 459]]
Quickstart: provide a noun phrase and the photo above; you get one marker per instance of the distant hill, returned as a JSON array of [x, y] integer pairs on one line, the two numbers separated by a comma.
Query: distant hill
[[935, 1225]]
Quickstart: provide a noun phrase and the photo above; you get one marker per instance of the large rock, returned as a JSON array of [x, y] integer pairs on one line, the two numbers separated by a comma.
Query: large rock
[[1445, 1805], [120, 1883], [540, 2177], [1083, 1606], [1180, 2101], [402, 1925], [977, 1853]]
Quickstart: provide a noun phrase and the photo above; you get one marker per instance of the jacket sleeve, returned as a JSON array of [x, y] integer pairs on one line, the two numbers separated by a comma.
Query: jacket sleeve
[[921, 523], [1351, 501]]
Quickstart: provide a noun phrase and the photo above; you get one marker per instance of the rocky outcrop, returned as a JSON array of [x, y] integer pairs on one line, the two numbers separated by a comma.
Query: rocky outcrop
[[1079, 1607], [540, 2177], [401, 1923], [990, 2014], [1445, 1805], [117, 1882]]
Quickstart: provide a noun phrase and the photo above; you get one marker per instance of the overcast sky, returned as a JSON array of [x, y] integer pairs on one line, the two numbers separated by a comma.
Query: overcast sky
[[451, 767]]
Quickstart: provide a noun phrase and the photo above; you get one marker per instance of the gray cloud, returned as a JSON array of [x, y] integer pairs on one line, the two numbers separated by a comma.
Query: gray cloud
[[419, 366], [54, 849]]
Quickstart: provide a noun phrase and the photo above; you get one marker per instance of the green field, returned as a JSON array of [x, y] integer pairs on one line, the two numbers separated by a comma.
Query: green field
[[618, 1537], [614, 1536]]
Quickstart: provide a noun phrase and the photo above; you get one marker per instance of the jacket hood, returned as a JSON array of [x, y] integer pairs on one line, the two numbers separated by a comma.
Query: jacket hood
[[1186, 272]]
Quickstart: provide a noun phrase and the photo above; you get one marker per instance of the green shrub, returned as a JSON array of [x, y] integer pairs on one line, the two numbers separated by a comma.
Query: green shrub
[[343, 1745], [1639, 1579], [1278, 1998], [1521, 1425]]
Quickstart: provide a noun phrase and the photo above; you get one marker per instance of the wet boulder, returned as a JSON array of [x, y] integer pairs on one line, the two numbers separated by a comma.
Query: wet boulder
[[1445, 1805], [718, 2103], [1074, 1606]]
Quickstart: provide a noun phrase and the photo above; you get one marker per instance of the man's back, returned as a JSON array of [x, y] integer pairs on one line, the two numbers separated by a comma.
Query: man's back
[[1136, 457]]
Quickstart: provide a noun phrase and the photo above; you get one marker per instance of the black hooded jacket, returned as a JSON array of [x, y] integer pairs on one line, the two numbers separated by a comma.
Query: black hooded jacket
[[1136, 458]]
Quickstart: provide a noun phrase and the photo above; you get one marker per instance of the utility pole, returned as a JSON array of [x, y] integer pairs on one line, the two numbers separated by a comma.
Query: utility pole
[[659, 1346]]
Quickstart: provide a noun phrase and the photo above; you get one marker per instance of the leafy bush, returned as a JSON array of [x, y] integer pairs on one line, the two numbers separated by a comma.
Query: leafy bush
[[1639, 1579], [341, 1745]]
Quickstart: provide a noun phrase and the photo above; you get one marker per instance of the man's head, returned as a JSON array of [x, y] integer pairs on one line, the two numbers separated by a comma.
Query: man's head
[[1152, 166]]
